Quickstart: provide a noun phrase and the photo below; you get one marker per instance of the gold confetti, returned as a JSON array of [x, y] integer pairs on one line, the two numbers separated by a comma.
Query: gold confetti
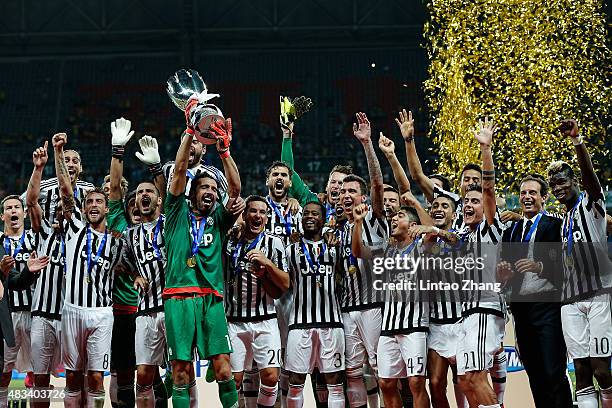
[[527, 64]]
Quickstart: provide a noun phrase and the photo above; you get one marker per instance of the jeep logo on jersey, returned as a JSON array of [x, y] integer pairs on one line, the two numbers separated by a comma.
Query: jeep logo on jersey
[[322, 270], [279, 230], [104, 263], [207, 239], [22, 257], [57, 259], [148, 256]]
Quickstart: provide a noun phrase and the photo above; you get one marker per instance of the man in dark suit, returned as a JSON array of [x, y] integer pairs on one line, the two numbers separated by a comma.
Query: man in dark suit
[[533, 273], [11, 279]]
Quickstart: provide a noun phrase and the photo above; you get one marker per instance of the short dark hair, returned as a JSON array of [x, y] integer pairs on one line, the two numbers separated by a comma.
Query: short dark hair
[[96, 190], [471, 166], [196, 181], [340, 168], [473, 187], [253, 198], [389, 187], [540, 180], [445, 181], [320, 205], [126, 201], [148, 182], [362, 183], [447, 198], [278, 163], [411, 212], [11, 197]]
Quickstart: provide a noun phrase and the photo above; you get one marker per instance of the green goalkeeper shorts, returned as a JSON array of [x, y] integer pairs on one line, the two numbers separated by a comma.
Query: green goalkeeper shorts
[[196, 322]]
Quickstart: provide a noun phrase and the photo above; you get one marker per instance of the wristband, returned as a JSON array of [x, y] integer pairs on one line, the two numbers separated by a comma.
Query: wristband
[[409, 139], [488, 172], [436, 230], [118, 151], [224, 154], [155, 169], [577, 140]]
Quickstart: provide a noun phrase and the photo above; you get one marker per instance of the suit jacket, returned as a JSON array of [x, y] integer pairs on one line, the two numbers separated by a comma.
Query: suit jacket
[[549, 253], [16, 281]]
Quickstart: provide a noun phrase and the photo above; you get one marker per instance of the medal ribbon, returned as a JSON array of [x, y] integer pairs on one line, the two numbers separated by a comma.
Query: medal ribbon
[[98, 252], [309, 258], [286, 221], [7, 245], [196, 233], [239, 246], [531, 230], [570, 223], [155, 235], [329, 212], [411, 246]]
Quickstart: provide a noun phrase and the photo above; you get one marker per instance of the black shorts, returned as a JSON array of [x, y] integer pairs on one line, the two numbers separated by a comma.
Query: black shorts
[[123, 351]]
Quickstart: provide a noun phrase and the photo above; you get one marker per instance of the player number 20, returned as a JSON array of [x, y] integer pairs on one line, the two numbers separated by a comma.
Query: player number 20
[[275, 356]]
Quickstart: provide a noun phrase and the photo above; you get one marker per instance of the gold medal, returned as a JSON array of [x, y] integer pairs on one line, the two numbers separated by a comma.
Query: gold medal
[[352, 269], [88, 280], [191, 262], [435, 249], [319, 282], [569, 261]]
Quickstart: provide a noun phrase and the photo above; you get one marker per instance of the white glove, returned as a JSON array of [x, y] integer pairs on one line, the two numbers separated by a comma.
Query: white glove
[[150, 152], [120, 129]]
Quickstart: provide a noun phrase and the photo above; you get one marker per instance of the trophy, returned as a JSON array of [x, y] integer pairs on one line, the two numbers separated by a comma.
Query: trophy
[[189, 93]]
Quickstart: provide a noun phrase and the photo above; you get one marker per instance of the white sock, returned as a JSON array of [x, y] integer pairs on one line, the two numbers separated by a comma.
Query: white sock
[[587, 398], [144, 396], [95, 399], [267, 395], [250, 387], [284, 386], [606, 397], [356, 390], [295, 397], [112, 389], [335, 397], [490, 406], [193, 394], [72, 398], [498, 375], [372, 389], [460, 397]]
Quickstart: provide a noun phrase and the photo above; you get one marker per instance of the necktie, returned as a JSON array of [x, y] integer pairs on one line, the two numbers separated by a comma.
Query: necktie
[[526, 230]]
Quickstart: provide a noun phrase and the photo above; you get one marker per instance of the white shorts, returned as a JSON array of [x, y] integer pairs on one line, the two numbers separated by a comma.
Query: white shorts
[[587, 327], [402, 355], [19, 357], [86, 337], [480, 338], [362, 330], [259, 341], [46, 345], [283, 307], [309, 348], [443, 338], [150, 339]]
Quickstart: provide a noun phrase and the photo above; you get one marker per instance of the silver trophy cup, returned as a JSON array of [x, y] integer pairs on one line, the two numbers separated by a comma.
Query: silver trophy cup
[[181, 87]]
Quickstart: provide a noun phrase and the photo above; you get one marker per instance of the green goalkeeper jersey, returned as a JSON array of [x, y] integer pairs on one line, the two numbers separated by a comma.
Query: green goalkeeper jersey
[[206, 275]]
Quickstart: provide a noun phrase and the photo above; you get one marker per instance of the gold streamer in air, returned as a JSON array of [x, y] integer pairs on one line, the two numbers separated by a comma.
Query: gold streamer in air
[[527, 64]]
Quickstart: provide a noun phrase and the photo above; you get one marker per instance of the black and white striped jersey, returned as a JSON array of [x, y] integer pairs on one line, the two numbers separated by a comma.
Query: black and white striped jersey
[[192, 173], [244, 295], [89, 274], [20, 247], [49, 196], [357, 277], [146, 254], [444, 304], [50, 289], [587, 271], [458, 224], [482, 244], [406, 307], [315, 303], [281, 222]]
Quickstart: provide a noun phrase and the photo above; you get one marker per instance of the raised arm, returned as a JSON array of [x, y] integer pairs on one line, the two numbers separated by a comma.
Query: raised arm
[[410, 200], [298, 190], [387, 146], [35, 212], [358, 249], [363, 133], [121, 134], [63, 178], [179, 177], [590, 182], [150, 157], [484, 136], [223, 132], [406, 125]]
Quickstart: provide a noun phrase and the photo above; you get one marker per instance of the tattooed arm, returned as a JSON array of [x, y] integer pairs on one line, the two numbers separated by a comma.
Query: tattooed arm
[[63, 178]]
